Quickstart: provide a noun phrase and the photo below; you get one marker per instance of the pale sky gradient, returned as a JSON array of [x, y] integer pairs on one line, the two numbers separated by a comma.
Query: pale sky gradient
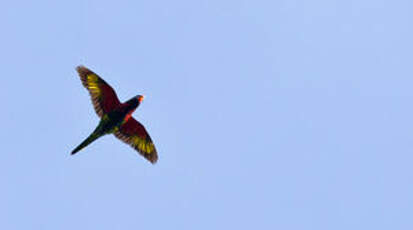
[[266, 114]]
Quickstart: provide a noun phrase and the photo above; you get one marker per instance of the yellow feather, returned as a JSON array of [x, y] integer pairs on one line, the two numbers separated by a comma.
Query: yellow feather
[[91, 78], [142, 146], [93, 85], [136, 141], [150, 147]]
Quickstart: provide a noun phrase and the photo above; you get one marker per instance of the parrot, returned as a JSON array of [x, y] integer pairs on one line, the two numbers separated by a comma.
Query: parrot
[[115, 117]]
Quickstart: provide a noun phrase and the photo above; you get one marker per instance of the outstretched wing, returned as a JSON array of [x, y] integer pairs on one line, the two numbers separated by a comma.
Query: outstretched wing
[[134, 134], [104, 98]]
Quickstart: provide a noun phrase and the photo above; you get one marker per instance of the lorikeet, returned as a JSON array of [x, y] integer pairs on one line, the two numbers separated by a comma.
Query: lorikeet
[[115, 117]]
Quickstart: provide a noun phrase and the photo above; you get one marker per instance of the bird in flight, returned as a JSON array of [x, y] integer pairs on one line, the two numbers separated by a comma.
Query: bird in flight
[[115, 117]]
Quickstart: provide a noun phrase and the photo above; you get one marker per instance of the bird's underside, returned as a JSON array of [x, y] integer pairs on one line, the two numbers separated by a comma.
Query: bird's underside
[[115, 116]]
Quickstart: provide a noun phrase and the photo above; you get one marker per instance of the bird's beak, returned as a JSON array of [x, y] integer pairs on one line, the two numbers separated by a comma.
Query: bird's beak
[[141, 99]]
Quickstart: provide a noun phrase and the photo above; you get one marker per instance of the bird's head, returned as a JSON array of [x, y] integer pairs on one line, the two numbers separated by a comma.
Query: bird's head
[[140, 98], [134, 102]]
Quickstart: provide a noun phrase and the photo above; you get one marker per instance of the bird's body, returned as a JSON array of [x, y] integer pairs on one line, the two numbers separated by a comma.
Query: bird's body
[[116, 117]]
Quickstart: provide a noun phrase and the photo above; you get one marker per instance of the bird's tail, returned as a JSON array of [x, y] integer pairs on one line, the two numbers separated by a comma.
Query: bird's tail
[[86, 142]]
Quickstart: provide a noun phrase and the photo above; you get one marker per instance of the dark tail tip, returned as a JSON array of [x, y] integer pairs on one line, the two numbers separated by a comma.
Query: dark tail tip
[[75, 151]]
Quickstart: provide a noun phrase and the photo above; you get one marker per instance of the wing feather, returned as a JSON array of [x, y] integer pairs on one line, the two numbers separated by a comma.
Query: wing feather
[[103, 96], [134, 134]]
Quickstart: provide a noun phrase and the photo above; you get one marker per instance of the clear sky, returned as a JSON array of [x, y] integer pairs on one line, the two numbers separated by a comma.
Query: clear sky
[[283, 114]]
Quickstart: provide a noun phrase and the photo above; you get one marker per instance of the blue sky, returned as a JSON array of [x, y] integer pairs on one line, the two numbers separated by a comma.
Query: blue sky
[[265, 114]]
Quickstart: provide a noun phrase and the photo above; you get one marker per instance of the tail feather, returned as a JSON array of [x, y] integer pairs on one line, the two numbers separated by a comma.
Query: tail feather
[[86, 142]]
